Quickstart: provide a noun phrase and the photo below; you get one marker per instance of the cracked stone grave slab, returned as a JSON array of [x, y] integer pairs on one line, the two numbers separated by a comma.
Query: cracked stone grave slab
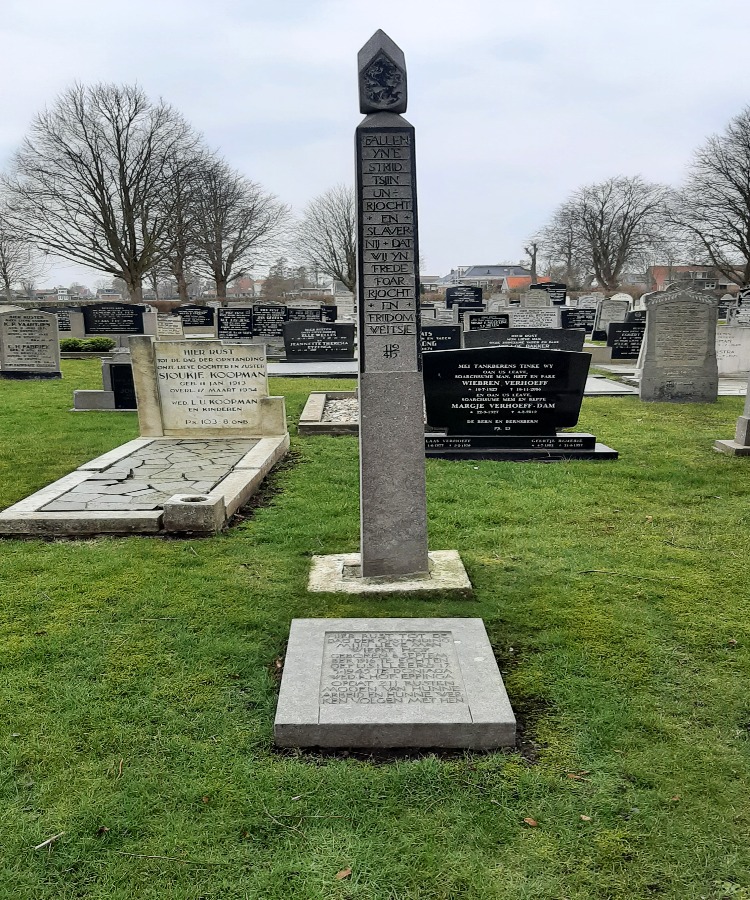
[[123, 492]]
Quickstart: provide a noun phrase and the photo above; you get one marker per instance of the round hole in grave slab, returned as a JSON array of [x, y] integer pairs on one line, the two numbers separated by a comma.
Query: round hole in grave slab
[[196, 499]]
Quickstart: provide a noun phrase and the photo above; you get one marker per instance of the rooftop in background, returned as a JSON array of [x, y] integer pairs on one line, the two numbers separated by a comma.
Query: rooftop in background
[[486, 274]]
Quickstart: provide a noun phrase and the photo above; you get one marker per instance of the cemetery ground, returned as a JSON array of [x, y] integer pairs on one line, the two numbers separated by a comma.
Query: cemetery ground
[[139, 679]]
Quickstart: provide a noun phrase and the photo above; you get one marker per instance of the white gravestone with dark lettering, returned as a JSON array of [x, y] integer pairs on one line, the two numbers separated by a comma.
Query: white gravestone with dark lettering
[[29, 345], [678, 354], [203, 388]]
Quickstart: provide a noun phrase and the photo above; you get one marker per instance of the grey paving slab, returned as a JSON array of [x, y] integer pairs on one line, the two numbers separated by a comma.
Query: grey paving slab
[[385, 683]]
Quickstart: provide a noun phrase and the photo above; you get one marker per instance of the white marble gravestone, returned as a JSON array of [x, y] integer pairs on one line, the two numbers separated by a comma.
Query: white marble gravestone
[[29, 345]]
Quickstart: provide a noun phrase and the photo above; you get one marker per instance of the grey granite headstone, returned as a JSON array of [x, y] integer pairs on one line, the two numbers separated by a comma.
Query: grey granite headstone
[[387, 683], [678, 353], [29, 345], [535, 318], [609, 310], [391, 435]]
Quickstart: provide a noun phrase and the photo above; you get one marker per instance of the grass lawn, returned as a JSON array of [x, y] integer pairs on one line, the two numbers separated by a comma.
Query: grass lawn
[[138, 679]]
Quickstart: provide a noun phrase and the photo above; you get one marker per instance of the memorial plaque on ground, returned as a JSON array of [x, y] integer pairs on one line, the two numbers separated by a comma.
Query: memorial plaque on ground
[[609, 310], [625, 339], [679, 348], [575, 317], [268, 320], [304, 314], [556, 291], [235, 324], [440, 337], [535, 318], [534, 338], [319, 340], [29, 345], [112, 318], [475, 321], [465, 296], [196, 316], [376, 683]]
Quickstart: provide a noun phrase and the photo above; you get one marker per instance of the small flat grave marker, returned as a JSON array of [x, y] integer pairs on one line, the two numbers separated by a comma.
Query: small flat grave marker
[[387, 683]]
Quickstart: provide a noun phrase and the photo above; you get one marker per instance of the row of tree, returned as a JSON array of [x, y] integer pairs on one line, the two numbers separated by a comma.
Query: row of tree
[[114, 181], [603, 230]]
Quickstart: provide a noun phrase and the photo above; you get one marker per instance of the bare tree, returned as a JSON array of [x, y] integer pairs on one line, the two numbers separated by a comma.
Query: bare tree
[[713, 207], [561, 247], [237, 224], [89, 180], [532, 250], [327, 235], [18, 262], [608, 226]]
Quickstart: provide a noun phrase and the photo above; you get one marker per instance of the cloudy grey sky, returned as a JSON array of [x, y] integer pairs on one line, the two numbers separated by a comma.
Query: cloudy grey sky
[[516, 104]]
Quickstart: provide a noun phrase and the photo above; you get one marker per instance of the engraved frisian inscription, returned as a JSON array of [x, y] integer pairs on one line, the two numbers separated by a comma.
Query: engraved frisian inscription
[[361, 667]]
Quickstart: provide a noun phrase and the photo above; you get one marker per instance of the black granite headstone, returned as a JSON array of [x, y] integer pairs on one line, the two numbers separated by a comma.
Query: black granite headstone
[[569, 339], [122, 386], [557, 291], [440, 337], [329, 312], [268, 321], [636, 315], [304, 314], [465, 296], [235, 323], [196, 316], [478, 321], [625, 339], [504, 390], [318, 340], [113, 318], [578, 317], [63, 317]]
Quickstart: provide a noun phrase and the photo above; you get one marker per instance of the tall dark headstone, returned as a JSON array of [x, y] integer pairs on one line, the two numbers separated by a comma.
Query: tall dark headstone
[[464, 296], [113, 318], [235, 323], [557, 291], [393, 506]]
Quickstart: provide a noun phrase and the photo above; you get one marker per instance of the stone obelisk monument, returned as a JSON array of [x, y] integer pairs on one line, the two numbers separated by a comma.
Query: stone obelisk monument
[[393, 507]]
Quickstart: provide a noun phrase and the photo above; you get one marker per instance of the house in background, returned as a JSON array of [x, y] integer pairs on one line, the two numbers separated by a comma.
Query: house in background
[[692, 276]]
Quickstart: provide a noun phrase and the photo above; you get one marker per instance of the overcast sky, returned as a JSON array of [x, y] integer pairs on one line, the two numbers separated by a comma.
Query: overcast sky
[[515, 104]]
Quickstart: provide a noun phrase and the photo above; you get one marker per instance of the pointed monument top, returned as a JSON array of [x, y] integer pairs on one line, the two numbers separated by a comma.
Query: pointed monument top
[[382, 76]]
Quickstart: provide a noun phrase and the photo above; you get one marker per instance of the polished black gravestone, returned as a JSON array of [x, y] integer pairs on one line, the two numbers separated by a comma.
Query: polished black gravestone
[[112, 318], [196, 316], [578, 317], [318, 340], [507, 403], [440, 337], [532, 338], [625, 339], [121, 376], [557, 291], [304, 314], [235, 324], [328, 312], [464, 296], [268, 321], [636, 315]]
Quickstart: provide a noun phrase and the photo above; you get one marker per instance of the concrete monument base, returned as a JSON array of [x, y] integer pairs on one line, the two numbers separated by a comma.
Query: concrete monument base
[[392, 683], [732, 448], [340, 573], [150, 486]]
